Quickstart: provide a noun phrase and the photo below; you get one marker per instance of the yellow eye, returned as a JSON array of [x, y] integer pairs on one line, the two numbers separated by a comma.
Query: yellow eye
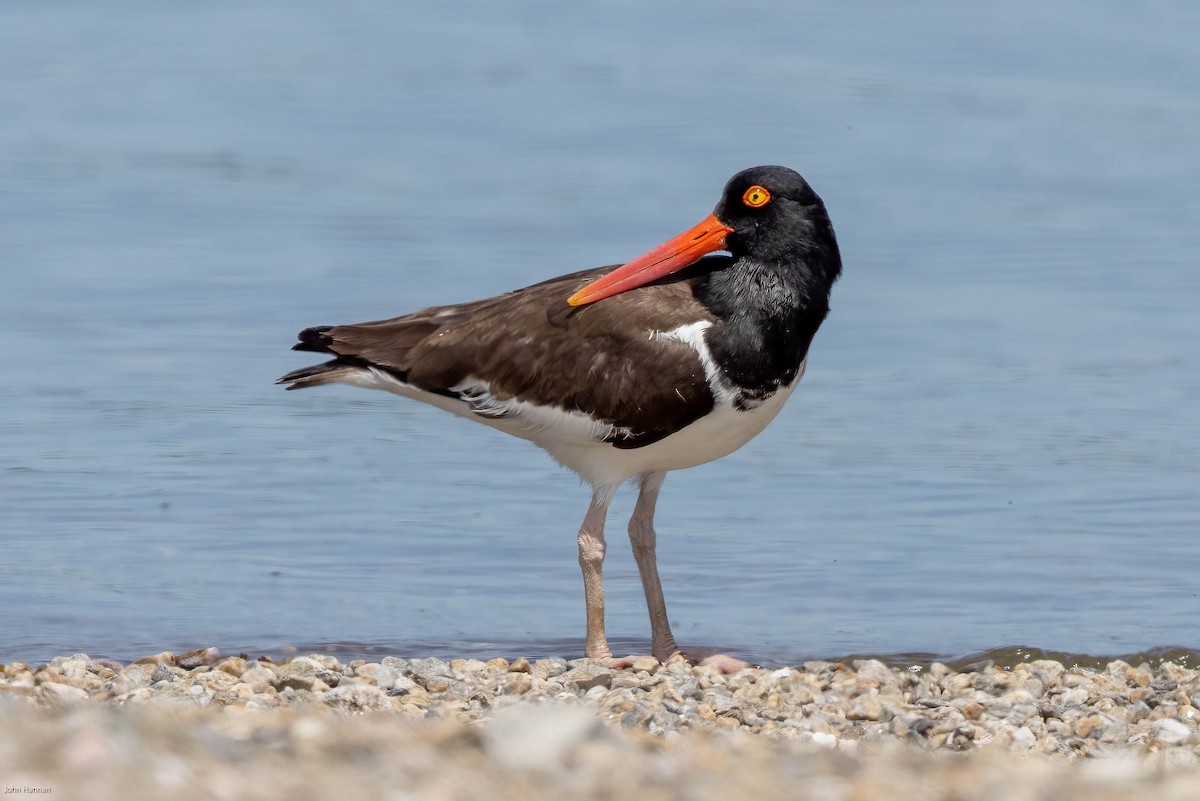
[[756, 196]]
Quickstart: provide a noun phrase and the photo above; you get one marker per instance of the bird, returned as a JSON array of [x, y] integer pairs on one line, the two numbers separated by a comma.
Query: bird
[[626, 372]]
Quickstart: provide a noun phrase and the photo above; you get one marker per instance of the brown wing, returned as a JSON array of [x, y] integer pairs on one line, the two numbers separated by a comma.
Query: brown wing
[[599, 359]]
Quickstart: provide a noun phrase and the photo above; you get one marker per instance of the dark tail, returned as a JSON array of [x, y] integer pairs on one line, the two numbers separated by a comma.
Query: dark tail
[[318, 340], [315, 339], [319, 374]]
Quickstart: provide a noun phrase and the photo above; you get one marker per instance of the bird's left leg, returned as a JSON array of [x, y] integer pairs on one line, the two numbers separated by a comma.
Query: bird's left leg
[[644, 541]]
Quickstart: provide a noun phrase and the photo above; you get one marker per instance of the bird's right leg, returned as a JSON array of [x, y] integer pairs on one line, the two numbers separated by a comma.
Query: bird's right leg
[[591, 561]]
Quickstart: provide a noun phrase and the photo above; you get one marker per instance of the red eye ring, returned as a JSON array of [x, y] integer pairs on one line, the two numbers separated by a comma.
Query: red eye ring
[[756, 197]]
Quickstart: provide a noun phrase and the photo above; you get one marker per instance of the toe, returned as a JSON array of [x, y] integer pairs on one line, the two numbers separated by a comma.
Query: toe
[[724, 663]]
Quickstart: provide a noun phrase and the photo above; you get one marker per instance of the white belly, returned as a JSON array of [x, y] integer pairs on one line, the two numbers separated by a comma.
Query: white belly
[[576, 441], [716, 434]]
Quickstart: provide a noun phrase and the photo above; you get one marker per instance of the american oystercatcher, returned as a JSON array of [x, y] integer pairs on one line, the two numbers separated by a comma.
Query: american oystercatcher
[[670, 361]]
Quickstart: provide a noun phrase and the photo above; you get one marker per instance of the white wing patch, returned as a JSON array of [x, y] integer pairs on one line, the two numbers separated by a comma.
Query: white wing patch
[[692, 335]]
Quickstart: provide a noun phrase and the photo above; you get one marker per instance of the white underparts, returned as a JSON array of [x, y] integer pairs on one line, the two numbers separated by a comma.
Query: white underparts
[[577, 441]]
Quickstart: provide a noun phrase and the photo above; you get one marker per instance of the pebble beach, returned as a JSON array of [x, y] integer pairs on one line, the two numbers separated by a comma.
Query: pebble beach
[[205, 725]]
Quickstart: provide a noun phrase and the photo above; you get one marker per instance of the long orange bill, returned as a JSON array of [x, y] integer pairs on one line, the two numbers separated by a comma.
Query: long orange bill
[[670, 256]]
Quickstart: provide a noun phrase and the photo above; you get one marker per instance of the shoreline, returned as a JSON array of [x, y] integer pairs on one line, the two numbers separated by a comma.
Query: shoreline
[[537, 728], [1007, 657], [1125, 704]]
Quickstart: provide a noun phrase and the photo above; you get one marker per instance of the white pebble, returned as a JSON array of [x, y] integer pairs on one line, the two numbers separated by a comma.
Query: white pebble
[[1171, 732]]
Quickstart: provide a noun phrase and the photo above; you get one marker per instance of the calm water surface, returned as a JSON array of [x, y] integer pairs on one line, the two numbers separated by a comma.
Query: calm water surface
[[996, 444]]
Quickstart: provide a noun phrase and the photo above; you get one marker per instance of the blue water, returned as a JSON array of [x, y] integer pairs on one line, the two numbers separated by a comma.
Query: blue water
[[997, 442]]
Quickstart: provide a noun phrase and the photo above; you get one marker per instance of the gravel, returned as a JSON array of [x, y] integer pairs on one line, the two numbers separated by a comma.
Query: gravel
[[200, 725]]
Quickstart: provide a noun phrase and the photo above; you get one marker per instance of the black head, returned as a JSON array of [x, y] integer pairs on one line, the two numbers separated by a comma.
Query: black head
[[775, 216], [768, 216]]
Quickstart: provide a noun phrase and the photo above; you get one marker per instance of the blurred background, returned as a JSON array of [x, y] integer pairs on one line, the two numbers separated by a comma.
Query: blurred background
[[996, 443]]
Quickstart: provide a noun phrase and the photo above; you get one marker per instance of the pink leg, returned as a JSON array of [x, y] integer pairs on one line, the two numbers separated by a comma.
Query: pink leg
[[591, 560], [644, 541]]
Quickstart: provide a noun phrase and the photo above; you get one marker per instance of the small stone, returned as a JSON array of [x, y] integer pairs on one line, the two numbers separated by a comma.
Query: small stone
[[22, 679], [519, 665], [358, 698], [135, 696], [331, 678], [326, 661], [677, 665], [60, 696], [431, 670], [547, 668], [161, 673], [76, 659], [437, 684], [75, 667], [587, 676], [873, 673], [865, 707], [403, 685], [645, 663], [298, 674], [1023, 738], [198, 658], [48, 675], [720, 700], [1173, 672], [259, 677], [518, 684], [233, 665], [1076, 696], [1047, 671], [395, 664], [1092, 725], [1171, 732], [377, 674], [294, 681], [627, 679], [1140, 676], [162, 658]]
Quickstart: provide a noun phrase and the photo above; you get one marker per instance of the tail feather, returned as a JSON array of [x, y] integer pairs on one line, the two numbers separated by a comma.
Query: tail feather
[[316, 339], [382, 345], [318, 374]]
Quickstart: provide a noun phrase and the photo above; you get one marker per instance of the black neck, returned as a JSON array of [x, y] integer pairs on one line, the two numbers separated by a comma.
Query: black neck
[[768, 313]]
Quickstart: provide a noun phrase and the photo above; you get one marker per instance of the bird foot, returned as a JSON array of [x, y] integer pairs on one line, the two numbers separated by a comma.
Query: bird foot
[[724, 663], [720, 662], [631, 662]]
